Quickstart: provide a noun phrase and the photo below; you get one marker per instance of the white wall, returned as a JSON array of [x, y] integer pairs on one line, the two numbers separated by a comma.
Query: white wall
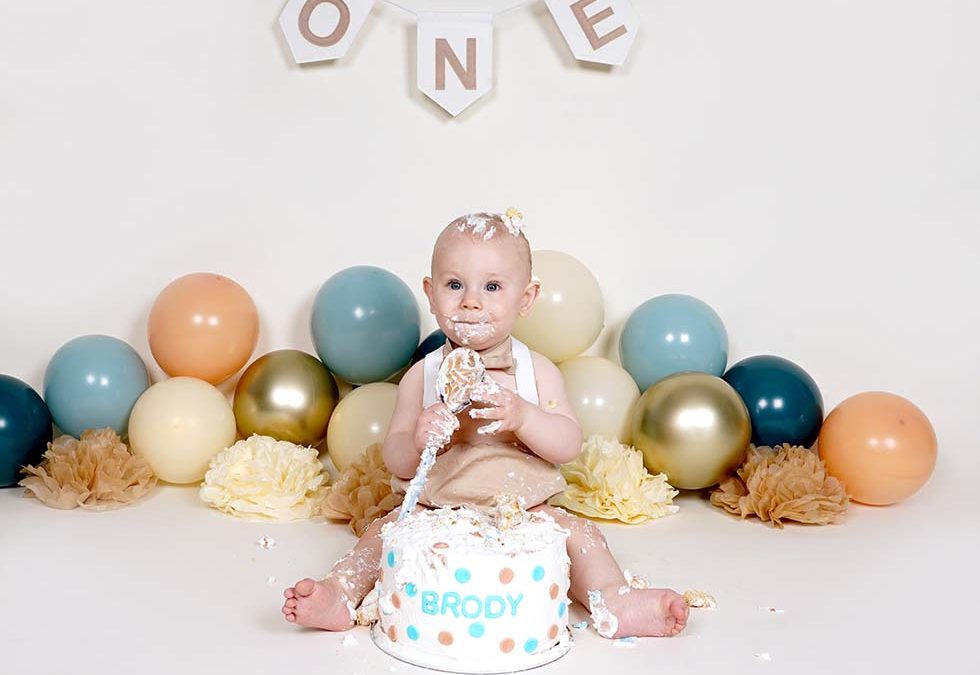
[[808, 168]]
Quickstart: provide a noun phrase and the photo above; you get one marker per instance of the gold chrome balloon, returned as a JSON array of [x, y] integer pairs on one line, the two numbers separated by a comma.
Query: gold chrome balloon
[[693, 427], [288, 395]]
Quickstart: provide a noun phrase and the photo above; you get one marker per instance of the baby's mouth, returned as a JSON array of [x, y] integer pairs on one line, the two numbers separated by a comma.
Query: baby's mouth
[[469, 328]]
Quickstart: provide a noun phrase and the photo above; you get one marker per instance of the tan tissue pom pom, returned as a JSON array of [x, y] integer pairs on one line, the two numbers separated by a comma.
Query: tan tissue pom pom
[[97, 473], [608, 480], [362, 493], [785, 483]]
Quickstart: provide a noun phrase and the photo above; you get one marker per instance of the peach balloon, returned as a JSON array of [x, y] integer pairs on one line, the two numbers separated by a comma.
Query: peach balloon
[[880, 445], [203, 325]]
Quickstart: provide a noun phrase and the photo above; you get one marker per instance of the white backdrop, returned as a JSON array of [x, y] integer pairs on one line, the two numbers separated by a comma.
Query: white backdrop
[[810, 169]]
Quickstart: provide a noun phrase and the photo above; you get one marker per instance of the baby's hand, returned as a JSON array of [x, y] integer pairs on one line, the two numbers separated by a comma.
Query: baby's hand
[[506, 408], [435, 425]]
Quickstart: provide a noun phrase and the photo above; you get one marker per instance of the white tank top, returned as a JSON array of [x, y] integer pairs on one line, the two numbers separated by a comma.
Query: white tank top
[[527, 387]]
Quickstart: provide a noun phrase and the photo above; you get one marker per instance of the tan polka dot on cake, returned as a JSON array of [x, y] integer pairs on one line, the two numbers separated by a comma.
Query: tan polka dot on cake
[[506, 645], [445, 638], [553, 632], [553, 592], [506, 575], [397, 601], [392, 634]]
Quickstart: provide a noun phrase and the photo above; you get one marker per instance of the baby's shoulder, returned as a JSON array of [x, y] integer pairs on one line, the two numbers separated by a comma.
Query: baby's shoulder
[[543, 366], [414, 376]]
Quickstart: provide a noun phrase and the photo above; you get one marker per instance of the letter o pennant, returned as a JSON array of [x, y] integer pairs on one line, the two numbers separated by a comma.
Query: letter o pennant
[[321, 30]]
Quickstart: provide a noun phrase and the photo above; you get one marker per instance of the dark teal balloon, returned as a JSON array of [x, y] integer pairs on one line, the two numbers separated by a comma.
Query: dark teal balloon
[[784, 402], [365, 324], [92, 382], [432, 342], [672, 334], [25, 428]]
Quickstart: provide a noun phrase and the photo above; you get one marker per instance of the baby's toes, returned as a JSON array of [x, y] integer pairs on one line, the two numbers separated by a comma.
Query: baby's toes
[[291, 603], [678, 612], [289, 592]]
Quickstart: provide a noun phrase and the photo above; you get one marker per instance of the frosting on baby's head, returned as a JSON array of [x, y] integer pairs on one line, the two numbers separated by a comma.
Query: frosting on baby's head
[[506, 228]]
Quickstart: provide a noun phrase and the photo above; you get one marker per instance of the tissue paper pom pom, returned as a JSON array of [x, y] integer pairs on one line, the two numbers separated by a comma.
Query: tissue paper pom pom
[[363, 492], [608, 480], [261, 478], [788, 483], [97, 473]]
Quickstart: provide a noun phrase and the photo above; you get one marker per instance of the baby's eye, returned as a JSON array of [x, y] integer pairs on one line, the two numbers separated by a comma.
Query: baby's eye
[[493, 287], [455, 285]]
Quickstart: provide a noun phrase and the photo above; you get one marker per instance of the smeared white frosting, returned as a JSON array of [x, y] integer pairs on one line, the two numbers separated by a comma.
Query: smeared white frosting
[[484, 224], [468, 530], [492, 428], [606, 623]]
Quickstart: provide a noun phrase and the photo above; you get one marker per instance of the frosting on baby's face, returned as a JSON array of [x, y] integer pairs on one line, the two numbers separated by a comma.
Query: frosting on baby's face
[[479, 286]]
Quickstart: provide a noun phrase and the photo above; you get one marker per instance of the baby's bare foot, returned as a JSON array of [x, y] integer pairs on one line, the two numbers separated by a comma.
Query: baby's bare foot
[[622, 612], [318, 604]]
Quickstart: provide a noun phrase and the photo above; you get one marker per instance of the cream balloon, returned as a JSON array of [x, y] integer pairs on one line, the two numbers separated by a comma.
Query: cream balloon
[[602, 395], [178, 425], [568, 314], [360, 419]]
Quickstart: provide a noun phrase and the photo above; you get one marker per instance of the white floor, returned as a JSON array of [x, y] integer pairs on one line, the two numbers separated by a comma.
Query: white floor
[[171, 586]]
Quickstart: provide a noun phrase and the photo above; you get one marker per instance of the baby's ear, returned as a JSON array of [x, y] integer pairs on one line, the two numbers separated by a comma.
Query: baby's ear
[[427, 289], [531, 292]]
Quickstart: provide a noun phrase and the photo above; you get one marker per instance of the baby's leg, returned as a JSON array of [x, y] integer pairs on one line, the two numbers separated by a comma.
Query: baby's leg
[[329, 604], [598, 583]]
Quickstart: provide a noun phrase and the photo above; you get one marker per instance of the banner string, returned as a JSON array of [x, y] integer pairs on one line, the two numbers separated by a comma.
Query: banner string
[[416, 12]]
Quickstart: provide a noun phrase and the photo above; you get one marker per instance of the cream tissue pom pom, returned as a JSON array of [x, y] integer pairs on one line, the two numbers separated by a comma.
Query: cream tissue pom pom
[[261, 478], [608, 480]]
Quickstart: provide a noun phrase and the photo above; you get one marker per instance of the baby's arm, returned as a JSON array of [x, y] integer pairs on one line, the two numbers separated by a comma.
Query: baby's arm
[[550, 429], [399, 450]]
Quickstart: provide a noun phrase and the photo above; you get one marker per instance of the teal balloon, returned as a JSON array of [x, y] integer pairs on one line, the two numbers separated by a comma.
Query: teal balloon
[[92, 382], [785, 404], [365, 324], [25, 428], [672, 334]]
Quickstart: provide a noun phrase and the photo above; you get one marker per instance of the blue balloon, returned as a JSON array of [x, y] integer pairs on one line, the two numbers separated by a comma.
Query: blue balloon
[[784, 402], [365, 324], [432, 342], [672, 334], [92, 382], [25, 428]]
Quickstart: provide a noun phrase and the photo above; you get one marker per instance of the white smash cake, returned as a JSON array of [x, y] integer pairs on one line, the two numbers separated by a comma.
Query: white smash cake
[[469, 591]]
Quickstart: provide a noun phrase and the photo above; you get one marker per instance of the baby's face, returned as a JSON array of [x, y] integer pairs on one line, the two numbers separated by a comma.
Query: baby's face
[[478, 288]]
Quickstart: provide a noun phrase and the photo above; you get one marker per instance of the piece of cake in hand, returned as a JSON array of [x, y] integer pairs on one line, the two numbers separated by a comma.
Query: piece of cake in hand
[[474, 591]]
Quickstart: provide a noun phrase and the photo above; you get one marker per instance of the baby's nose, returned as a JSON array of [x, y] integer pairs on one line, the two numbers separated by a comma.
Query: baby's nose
[[471, 302]]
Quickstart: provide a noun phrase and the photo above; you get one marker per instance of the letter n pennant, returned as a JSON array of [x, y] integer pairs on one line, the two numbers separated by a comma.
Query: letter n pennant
[[455, 58]]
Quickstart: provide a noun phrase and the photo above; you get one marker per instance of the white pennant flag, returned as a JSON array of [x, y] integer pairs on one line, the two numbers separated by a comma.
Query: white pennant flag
[[455, 58], [601, 31], [320, 30]]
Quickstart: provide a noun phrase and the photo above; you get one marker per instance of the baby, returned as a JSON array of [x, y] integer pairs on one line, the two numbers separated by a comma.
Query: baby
[[509, 442]]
